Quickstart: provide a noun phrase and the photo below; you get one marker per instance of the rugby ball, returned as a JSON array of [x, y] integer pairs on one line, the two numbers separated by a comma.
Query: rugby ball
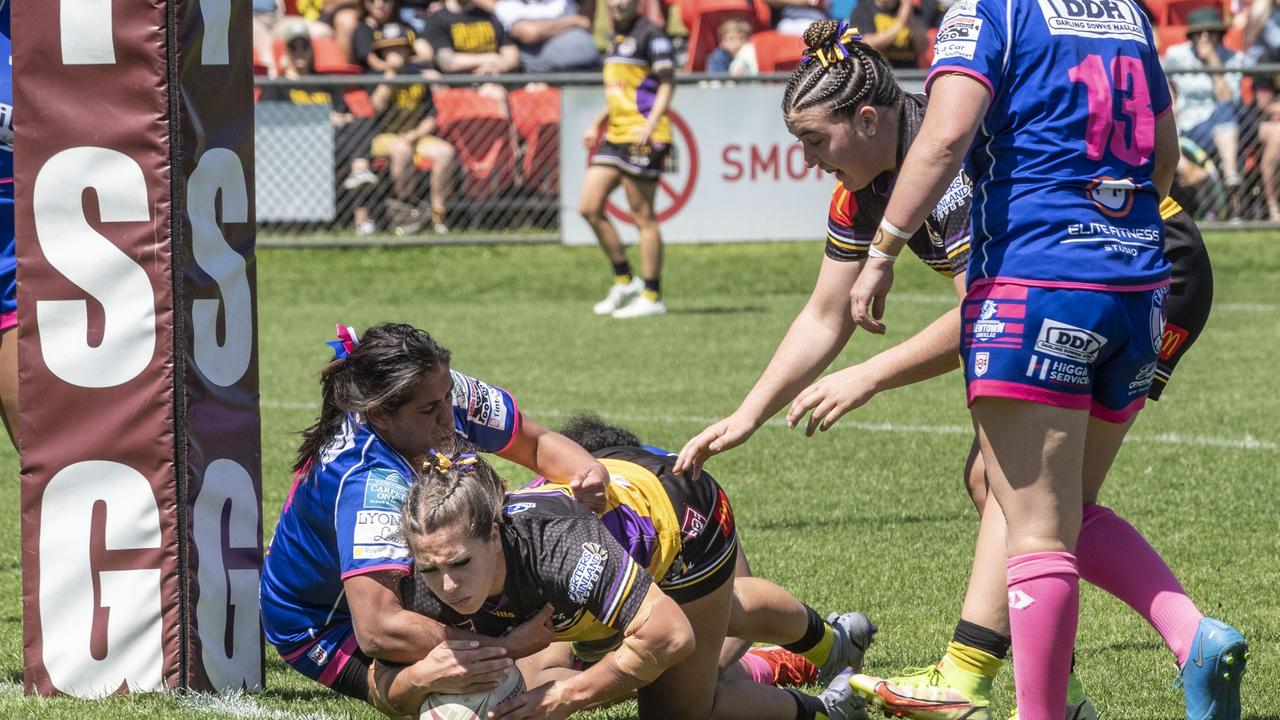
[[472, 706]]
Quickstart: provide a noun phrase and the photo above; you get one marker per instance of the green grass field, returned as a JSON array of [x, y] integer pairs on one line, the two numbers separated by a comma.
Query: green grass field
[[869, 516]]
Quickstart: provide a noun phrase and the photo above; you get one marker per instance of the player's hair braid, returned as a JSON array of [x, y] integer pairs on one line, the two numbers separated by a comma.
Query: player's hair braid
[[449, 490], [840, 73], [380, 372]]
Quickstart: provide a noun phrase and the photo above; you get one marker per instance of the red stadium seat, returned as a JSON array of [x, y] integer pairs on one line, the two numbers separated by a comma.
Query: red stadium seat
[[776, 52], [703, 17], [1176, 11], [358, 102], [536, 114], [479, 130], [329, 58]]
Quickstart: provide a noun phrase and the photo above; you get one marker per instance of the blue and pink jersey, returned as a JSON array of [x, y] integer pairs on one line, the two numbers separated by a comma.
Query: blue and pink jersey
[[342, 517], [1062, 164]]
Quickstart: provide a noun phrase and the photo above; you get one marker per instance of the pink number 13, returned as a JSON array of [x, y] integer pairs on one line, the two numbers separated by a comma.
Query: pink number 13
[[1132, 130]]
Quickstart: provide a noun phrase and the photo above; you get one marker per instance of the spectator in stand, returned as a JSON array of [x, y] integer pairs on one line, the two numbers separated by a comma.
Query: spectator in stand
[[266, 13], [351, 134], [794, 16], [899, 29], [414, 13], [466, 39], [383, 16], [344, 16], [733, 35], [405, 137], [1262, 39], [553, 35], [1208, 103]]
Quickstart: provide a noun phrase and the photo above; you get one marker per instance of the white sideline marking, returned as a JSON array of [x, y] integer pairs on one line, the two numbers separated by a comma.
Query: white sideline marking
[[240, 705], [1248, 442]]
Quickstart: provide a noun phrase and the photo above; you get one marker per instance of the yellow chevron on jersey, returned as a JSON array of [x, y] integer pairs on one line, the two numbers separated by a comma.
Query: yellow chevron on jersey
[[1169, 207]]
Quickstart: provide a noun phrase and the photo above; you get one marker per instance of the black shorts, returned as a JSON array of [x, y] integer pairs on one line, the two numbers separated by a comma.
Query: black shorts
[[1190, 295], [646, 162]]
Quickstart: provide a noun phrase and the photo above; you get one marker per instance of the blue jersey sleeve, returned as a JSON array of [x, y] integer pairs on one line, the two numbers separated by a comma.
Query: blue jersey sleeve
[[485, 414], [1157, 83], [971, 41], [367, 521]]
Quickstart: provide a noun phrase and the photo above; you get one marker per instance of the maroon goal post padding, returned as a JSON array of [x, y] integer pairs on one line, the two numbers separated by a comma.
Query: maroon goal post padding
[[141, 456]]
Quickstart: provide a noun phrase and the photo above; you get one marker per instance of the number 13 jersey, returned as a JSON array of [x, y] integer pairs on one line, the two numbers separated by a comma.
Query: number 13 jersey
[[1062, 164]]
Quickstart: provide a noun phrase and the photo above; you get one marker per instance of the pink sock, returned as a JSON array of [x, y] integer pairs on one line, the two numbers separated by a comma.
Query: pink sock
[[758, 668], [1114, 556], [1044, 605]]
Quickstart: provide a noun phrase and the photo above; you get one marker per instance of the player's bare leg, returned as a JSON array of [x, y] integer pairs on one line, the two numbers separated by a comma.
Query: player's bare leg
[[9, 382]]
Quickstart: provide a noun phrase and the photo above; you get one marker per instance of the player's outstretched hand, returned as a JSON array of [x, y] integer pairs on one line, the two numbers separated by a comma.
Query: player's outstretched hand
[[828, 399], [462, 666], [545, 702], [869, 292], [589, 486], [718, 437], [532, 635]]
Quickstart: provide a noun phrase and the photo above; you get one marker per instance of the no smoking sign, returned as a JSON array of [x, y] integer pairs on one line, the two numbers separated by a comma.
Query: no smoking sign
[[674, 188]]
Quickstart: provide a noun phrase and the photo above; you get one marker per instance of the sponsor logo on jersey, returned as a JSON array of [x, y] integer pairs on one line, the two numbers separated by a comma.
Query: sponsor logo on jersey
[[1059, 372], [627, 46], [376, 527], [318, 655], [955, 197], [1115, 19], [980, 362], [1113, 197], [659, 46], [482, 403], [954, 48], [587, 572], [385, 490], [339, 444], [959, 27], [380, 552], [987, 326], [1171, 340], [692, 524], [1068, 341], [676, 571], [962, 7], [517, 508], [1159, 314], [1141, 384]]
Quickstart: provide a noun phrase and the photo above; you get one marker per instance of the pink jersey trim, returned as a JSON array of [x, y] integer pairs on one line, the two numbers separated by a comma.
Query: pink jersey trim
[[945, 69], [1030, 393], [402, 569], [515, 432], [1066, 285], [341, 656], [1117, 417], [995, 290], [298, 475], [8, 320]]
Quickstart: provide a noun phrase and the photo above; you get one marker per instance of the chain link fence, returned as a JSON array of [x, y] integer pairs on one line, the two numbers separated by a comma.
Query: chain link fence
[[372, 160]]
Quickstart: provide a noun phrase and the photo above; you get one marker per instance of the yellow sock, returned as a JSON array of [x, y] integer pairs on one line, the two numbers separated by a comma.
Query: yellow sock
[[818, 653], [973, 660], [622, 279], [653, 296]]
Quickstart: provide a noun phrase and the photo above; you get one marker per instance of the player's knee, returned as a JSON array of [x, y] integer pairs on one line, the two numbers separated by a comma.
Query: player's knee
[[592, 211]]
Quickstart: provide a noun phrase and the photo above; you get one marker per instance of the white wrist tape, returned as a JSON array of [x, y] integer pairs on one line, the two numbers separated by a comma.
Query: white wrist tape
[[894, 230]]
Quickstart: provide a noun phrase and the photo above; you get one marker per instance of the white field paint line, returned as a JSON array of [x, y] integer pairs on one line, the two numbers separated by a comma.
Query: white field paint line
[[241, 705], [1247, 307], [1248, 442]]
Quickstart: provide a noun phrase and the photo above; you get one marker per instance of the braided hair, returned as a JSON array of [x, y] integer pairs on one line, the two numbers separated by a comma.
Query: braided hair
[[380, 372], [459, 489], [840, 74]]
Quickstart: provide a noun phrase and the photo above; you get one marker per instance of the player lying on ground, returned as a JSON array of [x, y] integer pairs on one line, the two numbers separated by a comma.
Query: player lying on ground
[[330, 586], [488, 560], [853, 120]]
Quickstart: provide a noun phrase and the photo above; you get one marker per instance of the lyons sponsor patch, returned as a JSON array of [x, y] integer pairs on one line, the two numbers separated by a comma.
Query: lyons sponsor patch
[[587, 572], [1069, 341], [377, 527], [385, 490], [1115, 19]]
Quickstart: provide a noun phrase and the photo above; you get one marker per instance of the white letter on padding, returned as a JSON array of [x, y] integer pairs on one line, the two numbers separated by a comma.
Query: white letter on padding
[[217, 27], [87, 32], [96, 265], [135, 654], [225, 481], [220, 169]]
